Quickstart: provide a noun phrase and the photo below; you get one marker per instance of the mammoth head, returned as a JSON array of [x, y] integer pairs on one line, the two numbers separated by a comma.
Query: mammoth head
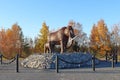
[[70, 32]]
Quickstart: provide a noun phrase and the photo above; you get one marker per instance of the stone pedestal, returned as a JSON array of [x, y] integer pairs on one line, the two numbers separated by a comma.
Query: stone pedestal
[[48, 60]]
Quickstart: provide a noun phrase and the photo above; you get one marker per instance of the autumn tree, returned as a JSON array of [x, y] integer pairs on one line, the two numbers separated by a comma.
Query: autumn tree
[[18, 37], [100, 38], [115, 38], [3, 41], [42, 38], [104, 37], [27, 47], [10, 41], [94, 39], [115, 34]]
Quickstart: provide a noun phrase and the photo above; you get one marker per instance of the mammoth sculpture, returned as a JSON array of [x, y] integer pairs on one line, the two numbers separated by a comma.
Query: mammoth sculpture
[[47, 48], [60, 37]]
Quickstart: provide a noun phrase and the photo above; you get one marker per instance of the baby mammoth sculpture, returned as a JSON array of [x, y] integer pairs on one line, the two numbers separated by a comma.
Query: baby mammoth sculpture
[[47, 48], [60, 37]]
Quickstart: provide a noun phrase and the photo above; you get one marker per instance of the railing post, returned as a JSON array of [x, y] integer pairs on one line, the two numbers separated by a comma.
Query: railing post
[[17, 63], [93, 62], [57, 64], [1, 58]]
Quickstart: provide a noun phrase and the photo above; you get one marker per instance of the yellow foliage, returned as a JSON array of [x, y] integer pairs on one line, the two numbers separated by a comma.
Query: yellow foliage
[[42, 39], [100, 38], [8, 41]]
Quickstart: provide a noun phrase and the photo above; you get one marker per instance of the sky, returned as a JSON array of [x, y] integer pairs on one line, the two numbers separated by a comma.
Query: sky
[[30, 14]]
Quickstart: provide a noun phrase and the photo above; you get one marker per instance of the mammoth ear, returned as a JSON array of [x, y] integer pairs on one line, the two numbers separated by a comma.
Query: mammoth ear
[[66, 31]]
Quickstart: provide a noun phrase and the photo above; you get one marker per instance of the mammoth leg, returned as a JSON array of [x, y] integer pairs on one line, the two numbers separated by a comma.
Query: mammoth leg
[[48, 48], [62, 47], [44, 48], [51, 47], [48, 51]]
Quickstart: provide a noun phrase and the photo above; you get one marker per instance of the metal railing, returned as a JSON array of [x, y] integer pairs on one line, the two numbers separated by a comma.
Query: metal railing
[[58, 58], [93, 62], [16, 58]]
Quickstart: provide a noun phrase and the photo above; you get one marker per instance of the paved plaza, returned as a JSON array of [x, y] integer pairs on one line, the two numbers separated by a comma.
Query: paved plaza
[[104, 71]]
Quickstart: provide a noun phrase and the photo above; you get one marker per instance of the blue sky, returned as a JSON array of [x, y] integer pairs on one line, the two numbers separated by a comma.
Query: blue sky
[[30, 14]]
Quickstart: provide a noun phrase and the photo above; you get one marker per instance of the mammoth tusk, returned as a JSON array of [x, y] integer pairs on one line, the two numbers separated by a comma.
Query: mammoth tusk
[[73, 38]]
